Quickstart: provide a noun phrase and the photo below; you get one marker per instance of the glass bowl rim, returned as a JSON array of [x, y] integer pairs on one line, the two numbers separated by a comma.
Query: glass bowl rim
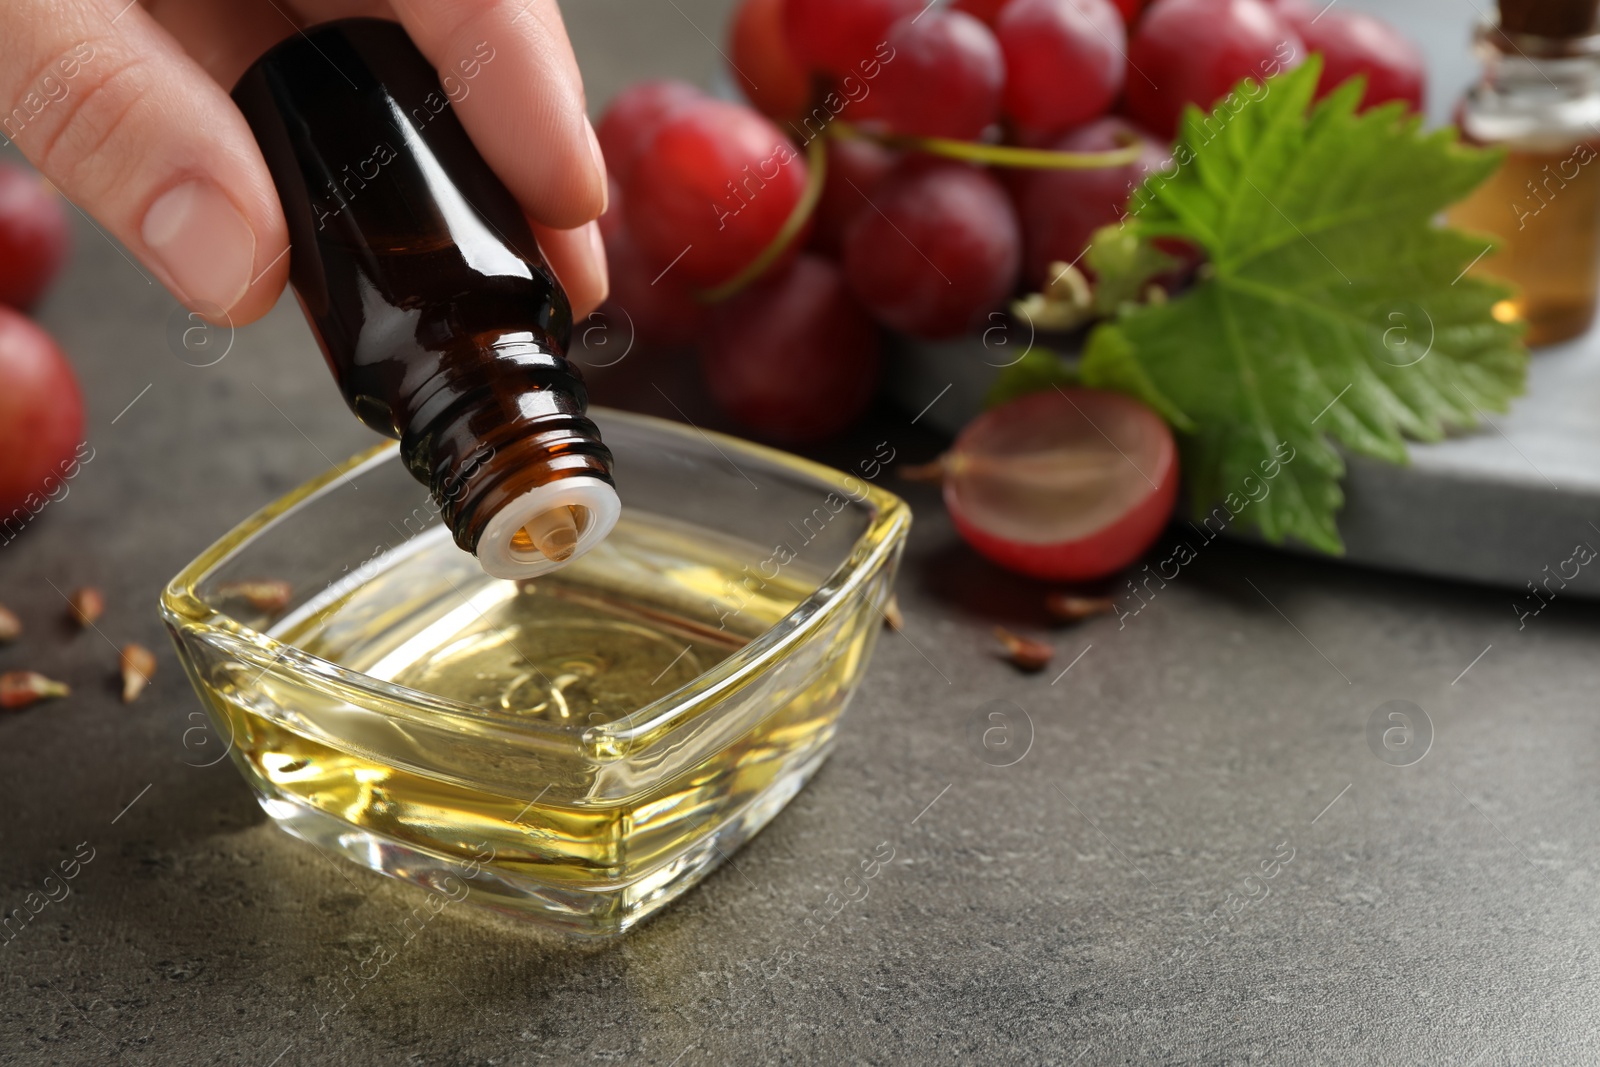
[[889, 518]]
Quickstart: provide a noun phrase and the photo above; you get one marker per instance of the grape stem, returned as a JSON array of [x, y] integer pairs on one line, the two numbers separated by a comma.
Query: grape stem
[[970, 151], [998, 155], [923, 472], [817, 163], [1048, 471]]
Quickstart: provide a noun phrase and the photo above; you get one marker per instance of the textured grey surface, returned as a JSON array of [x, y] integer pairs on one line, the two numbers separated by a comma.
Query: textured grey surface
[[1054, 911]]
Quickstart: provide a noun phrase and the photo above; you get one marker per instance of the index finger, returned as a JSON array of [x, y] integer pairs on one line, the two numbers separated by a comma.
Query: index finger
[[509, 70]]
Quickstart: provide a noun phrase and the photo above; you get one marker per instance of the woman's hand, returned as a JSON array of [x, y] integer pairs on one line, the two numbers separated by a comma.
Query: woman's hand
[[126, 109]]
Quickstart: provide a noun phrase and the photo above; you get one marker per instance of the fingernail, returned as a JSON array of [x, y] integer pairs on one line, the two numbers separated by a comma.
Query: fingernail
[[599, 164], [597, 249], [203, 243]]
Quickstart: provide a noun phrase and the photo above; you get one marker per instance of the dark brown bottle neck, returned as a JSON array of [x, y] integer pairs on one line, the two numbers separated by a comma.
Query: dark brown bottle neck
[[438, 315], [501, 417], [1548, 18]]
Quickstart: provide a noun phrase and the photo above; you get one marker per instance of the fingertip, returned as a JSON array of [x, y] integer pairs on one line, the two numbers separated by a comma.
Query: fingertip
[[578, 258], [266, 288], [224, 261], [602, 178], [153, 148], [513, 68], [601, 268], [564, 201]]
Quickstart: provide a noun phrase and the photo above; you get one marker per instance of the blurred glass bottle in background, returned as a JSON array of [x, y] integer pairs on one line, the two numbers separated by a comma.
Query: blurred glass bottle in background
[[1540, 99]]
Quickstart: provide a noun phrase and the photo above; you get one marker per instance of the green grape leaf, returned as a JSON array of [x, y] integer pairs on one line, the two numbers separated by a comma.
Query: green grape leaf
[[1332, 307], [1038, 369]]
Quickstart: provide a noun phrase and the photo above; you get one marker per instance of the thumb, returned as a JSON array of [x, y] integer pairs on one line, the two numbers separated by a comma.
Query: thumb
[[130, 128]]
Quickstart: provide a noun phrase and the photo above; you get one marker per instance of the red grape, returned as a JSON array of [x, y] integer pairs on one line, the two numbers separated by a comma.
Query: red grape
[[855, 167], [1130, 10], [1353, 43], [989, 10], [1297, 13], [34, 236], [633, 117], [41, 420], [712, 190], [945, 79], [862, 102], [793, 357], [765, 68], [657, 305], [1196, 51], [838, 36], [1064, 61], [1061, 209], [939, 250], [983, 10], [1069, 485]]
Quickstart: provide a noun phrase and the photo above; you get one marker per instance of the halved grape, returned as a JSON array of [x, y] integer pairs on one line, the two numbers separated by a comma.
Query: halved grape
[[711, 191], [1066, 485], [1065, 61], [793, 357], [945, 79], [938, 251], [1196, 51]]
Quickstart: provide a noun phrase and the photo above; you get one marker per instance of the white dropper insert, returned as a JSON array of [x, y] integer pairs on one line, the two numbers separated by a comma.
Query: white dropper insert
[[548, 527]]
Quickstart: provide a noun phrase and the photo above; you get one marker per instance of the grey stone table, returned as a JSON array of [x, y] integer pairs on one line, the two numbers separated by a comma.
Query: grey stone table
[[1183, 849]]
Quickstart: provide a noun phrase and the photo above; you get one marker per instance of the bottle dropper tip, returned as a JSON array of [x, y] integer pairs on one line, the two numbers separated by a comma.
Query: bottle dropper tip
[[554, 533]]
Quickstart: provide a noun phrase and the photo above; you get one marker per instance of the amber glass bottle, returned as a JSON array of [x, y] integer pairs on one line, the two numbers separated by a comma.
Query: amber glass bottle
[[1540, 98], [439, 317]]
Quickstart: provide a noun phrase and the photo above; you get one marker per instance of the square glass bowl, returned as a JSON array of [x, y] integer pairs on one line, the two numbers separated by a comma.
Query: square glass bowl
[[578, 749]]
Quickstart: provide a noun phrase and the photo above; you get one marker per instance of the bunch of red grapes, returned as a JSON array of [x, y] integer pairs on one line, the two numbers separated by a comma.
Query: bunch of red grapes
[[41, 406], [918, 226]]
